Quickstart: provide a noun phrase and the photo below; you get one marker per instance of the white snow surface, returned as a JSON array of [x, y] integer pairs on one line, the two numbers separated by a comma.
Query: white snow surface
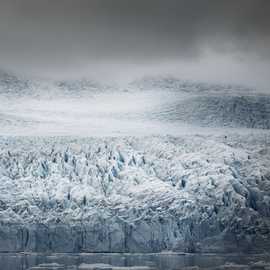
[[150, 106]]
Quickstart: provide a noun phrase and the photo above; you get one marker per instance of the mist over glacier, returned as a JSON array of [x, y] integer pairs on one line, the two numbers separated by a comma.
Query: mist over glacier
[[134, 134], [145, 106]]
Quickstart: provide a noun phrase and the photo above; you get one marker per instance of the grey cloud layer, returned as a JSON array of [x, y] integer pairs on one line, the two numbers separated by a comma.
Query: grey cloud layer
[[68, 35]]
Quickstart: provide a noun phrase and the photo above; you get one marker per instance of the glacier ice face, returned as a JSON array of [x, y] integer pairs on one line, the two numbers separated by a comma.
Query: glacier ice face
[[186, 193]]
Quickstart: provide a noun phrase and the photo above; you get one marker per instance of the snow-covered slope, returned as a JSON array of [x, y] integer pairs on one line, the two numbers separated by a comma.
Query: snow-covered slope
[[143, 107], [208, 105], [219, 111], [170, 83], [13, 86], [196, 193]]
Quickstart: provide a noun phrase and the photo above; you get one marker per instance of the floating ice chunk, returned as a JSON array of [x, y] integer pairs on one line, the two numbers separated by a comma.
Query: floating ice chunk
[[102, 266], [48, 266]]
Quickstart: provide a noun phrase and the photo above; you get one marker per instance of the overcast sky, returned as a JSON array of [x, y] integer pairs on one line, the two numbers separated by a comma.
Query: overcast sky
[[222, 40]]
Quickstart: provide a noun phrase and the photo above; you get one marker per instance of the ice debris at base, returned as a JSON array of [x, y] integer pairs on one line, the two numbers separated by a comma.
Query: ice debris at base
[[190, 193], [85, 266], [48, 266], [101, 266]]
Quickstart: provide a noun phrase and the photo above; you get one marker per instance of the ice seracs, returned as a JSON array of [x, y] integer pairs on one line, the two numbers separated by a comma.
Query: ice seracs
[[195, 193]]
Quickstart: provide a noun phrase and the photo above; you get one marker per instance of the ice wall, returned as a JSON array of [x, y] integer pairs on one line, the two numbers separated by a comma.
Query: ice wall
[[191, 193]]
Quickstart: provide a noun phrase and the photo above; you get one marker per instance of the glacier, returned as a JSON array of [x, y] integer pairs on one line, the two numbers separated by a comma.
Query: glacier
[[196, 193], [157, 164]]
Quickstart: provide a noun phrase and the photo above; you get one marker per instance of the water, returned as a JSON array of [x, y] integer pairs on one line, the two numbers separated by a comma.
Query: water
[[34, 261]]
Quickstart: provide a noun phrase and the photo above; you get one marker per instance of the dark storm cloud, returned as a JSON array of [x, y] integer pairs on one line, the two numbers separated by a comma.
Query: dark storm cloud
[[61, 36]]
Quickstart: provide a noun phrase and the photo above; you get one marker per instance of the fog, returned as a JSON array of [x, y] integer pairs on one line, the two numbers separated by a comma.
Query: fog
[[209, 40]]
